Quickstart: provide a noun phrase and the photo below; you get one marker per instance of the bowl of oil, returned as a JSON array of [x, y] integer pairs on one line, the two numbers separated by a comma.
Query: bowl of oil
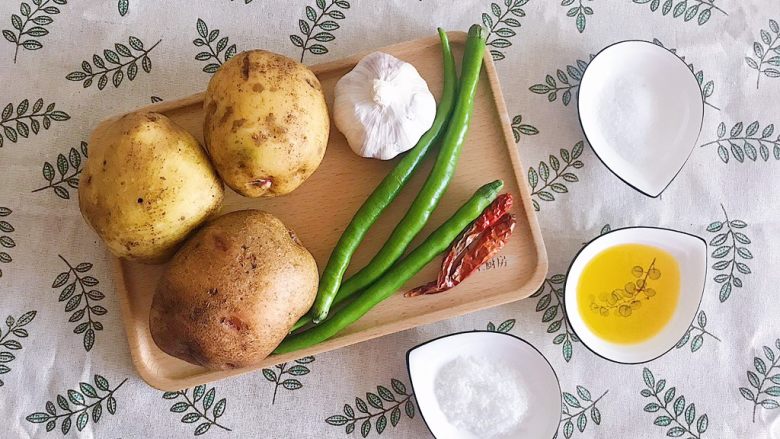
[[631, 294]]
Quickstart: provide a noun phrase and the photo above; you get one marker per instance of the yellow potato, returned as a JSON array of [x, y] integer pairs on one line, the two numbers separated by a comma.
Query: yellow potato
[[266, 125], [146, 185], [233, 291]]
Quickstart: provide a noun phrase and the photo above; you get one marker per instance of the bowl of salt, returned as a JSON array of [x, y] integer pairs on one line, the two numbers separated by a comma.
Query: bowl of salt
[[484, 385], [641, 109]]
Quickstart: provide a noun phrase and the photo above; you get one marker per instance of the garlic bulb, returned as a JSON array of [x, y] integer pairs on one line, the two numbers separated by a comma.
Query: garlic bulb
[[383, 106]]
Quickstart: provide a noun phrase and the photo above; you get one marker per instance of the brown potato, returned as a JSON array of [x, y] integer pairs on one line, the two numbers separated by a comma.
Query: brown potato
[[233, 291], [266, 124], [146, 185]]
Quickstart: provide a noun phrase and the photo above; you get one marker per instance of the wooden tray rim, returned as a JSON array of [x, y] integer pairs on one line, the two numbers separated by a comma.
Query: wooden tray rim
[[152, 378]]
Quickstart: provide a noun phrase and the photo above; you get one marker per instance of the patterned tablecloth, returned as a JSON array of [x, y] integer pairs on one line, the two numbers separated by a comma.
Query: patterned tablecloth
[[64, 361]]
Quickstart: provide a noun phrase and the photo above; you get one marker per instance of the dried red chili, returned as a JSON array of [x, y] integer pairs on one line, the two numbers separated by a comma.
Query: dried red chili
[[476, 245]]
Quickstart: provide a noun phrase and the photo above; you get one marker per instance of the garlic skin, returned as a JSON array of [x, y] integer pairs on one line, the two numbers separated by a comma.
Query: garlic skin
[[383, 106]]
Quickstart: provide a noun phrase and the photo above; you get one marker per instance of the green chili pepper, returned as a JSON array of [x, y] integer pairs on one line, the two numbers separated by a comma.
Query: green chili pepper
[[386, 192], [436, 184], [393, 279]]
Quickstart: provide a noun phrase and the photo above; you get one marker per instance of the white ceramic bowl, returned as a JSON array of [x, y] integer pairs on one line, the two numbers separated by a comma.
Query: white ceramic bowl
[[544, 393], [690, 251], [641, 109]]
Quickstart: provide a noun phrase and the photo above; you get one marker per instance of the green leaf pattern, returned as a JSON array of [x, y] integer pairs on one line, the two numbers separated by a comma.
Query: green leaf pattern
[[764, 383], [746, 141], [79, 406], [576, 410], [79, 295], [120, 62], [9, 340], [551, 304], [276, 375], [552, 177], [522, 129], [565, 82], [31, 25], [6, 241], [66, 176], [501, 23], [504, 327], [767, 54], [672, 413], [729, 247], [696, 334], [24, 119], [123, 6], [698, 11], [199, 406], [579, 12], [318, 26], [215, 50], [383, 407]]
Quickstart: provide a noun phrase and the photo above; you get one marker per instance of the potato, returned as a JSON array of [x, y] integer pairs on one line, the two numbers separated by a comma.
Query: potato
[[233, 291], [146, 185], [266, 125]]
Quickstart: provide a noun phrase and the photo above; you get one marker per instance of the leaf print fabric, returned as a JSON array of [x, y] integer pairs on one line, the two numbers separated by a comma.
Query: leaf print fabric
[[764, 383], [79, 406], [765, 59], [674, 414], [298, 368], [217, 50], [123, 6], [319, 25], [66, 66], [552, 177], [26, 120], [30, 26], [10, 340], [383, 406], [730, 250], [502, 24], [698, 11], [6, 240], [120, 62], [579, 11], [200, 406], [748, 144], [80, 297], [696, 334], [551, 304], [567, 83], [67, 176], [519, 128], [576, 410]]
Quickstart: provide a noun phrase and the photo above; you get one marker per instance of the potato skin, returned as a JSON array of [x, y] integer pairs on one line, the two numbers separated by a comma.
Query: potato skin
[[146, 184], [266, 125], [233, 291]]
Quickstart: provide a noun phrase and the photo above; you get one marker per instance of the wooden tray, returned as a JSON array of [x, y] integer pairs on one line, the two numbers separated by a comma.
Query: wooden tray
[[319, 210]]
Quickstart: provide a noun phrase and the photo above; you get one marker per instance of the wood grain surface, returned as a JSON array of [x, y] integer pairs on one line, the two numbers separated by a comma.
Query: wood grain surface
[[319, 210]]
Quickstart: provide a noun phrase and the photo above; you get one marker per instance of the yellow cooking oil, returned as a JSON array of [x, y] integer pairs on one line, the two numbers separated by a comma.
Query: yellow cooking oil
[[628, 293]]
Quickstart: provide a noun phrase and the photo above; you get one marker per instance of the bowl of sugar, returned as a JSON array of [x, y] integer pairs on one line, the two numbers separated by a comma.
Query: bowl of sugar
[[484, 385], [641, 109]]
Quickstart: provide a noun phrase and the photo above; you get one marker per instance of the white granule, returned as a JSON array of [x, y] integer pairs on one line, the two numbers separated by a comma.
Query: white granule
[[487, 398]]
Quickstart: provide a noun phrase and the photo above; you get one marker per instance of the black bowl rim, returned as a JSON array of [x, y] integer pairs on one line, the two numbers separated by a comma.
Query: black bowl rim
[[698, 307], [409, 369], [579, 117]]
